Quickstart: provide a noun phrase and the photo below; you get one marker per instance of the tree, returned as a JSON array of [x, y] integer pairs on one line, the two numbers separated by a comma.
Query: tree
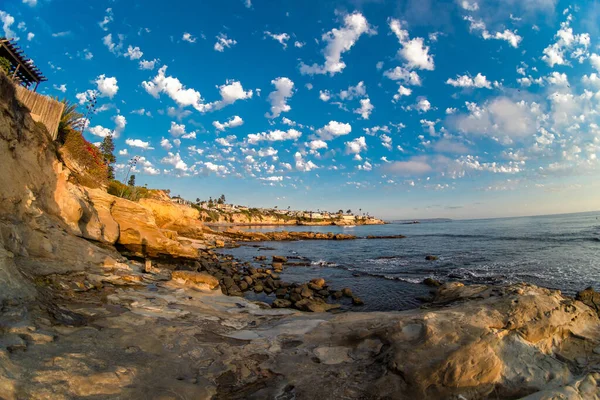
[[340, 211], [348, 211], [197, 200], [221, 199], [131, 180], [69, 119], [107, 148]]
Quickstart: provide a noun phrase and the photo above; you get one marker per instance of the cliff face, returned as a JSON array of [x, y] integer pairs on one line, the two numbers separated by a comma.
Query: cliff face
[[256, 218], [45, 219]]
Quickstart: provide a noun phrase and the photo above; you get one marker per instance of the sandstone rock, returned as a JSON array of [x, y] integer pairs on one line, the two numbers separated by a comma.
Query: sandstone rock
[[591, 298], [196, 278], [306, 292], [319, 282], [337, 294], [315, 305], [281, 303], [347, 292], [357, 301], [258, 288]]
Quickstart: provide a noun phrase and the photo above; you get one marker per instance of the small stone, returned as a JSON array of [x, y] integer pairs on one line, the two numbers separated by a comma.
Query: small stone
[[280, 259], [337, 294], [280, 293], [243, 285], [258, 288], [347, 292], [248, 280], [432, 282], [320, 282], [431, 258], [357, 301], [228, 282]]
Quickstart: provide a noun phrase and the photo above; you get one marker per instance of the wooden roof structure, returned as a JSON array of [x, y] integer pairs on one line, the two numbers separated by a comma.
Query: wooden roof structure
[[22, 68]]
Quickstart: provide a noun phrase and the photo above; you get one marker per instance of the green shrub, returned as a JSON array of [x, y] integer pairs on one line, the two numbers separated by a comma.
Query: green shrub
[[5, 65], [133, 193]]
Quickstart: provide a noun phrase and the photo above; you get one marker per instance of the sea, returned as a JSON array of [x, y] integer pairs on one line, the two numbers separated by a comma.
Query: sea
[[557, 251]]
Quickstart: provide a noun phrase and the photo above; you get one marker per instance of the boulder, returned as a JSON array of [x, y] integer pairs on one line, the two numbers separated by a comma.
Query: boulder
[[281, 303], [196, 278], [319, 282], [347, 292], [432, 282], [357, 301], [431, 258], [280, 259], [306, 292], [258, 288]]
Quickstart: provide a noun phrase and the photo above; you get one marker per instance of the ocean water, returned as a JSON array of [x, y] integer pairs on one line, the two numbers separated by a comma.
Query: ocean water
[[559, 251]]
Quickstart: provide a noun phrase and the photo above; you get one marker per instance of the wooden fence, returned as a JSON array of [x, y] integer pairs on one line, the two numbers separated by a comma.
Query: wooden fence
[[43, 109]]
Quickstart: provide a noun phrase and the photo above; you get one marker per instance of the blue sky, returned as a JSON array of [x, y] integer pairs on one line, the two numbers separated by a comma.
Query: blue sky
[[406, 109]]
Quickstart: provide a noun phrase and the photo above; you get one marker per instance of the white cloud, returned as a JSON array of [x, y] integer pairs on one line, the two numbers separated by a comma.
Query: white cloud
[[274, 136], [107, 19], [365, 108], [223, 42], [469, 6], [423, 105], [403, 75], [7, 20], [499, 118], [324, 95], [479, 26], [414, 166], [188, 37], [148, 65], [339, 41], [226, 142], [302, 165], [123, 152], [60, 88], [30, 36], [107, 86], [299, 44], [272, 179], [138, 143], [174, 89], [333, 129], [365, 167], [354, 91], [113, 47], [233, 122], [356, 146], [317, 144], [284, 89], [178, 130], [566, 41], [230, 92], [451, 110], [282, 38], [413, 51], [175, 160], [30, 3], [86, 96], [165, 144], [402, 91], [595, 61], [465, 81], [558, 79], [120, 123], [100, 131], [133, 53]]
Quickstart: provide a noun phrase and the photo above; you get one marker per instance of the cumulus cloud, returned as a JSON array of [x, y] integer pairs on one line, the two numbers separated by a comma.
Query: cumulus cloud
[[284, 89], [107, 86], [324, 95], [188, 37], [113, 47], [133, 53], [338, 42], [500, 117], [317, 144], [282, 38], [107, 19], [333, 129], [7, 21], [403, 75], [138, 143], [231, 123], [274, 136], [230, 92], [356, 146], [402, 91], [147, 65], [557, 52], [413, 51], [303, 165], [366, 108], [359, 90], [465, 81], [175, 160], [224, 42]]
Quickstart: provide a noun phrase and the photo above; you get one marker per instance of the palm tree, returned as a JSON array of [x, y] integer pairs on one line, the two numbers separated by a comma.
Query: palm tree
[[69, 119]]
